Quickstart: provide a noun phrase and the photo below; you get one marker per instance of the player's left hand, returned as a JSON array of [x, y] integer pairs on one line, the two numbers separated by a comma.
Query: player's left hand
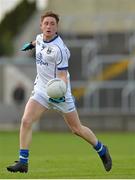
[[57, 100]]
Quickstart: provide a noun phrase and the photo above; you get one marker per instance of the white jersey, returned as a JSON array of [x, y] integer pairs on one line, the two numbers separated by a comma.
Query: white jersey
[[51, 57]]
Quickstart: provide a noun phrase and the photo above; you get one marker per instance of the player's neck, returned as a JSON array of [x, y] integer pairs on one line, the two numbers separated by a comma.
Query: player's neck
[[49, 38]]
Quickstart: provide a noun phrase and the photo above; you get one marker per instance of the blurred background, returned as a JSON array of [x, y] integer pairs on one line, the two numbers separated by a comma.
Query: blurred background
[[101, 37]]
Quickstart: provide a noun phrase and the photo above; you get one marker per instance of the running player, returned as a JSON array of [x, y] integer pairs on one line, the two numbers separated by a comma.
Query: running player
[[52, 61]]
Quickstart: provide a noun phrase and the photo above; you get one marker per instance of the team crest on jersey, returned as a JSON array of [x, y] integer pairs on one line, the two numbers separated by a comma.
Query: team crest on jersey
[[49, 50]]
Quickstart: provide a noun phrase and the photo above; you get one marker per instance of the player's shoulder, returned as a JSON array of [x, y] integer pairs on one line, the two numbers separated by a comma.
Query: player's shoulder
[[39, 37], [59, 43], [61, 47]]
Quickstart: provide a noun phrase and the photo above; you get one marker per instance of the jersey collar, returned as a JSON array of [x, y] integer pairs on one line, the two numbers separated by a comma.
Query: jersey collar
[[51, 39]]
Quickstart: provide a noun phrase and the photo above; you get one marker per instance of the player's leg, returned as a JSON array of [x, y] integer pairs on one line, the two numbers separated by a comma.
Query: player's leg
[[32, 113], [75, 125], [77, 128]]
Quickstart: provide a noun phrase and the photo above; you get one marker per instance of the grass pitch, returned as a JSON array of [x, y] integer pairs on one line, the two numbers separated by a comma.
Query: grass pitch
[[66, 156]]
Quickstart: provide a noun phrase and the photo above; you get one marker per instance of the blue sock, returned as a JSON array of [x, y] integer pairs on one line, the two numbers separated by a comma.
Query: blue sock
[[24, 153], [100, 148]]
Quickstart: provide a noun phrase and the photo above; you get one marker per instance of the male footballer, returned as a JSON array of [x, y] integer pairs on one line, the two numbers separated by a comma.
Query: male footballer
[[52, 58]]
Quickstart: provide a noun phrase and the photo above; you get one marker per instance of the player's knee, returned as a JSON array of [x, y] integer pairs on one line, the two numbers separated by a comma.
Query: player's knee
[[26, 122], [77, 130]]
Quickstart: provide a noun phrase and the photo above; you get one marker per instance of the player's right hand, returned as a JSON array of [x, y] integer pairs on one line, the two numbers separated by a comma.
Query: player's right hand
[[57, 100], [27, 46]]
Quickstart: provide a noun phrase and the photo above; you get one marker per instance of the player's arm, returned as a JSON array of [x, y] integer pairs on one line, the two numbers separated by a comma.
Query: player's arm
[[28, 46], [62, 74]]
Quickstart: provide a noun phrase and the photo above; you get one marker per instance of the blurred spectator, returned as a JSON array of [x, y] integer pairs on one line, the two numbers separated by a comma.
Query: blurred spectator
[[19, 94]]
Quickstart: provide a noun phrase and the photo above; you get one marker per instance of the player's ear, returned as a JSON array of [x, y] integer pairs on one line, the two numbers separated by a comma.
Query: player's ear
[[56, 30]]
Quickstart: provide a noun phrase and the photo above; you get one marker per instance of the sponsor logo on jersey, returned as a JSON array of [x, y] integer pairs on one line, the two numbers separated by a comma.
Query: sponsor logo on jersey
[[39, 60]]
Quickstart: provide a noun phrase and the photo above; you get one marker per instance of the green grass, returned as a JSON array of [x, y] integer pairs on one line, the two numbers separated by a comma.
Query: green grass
[[63, 155]]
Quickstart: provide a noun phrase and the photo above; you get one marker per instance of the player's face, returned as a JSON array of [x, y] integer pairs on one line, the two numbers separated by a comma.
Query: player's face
[[49, 27]]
